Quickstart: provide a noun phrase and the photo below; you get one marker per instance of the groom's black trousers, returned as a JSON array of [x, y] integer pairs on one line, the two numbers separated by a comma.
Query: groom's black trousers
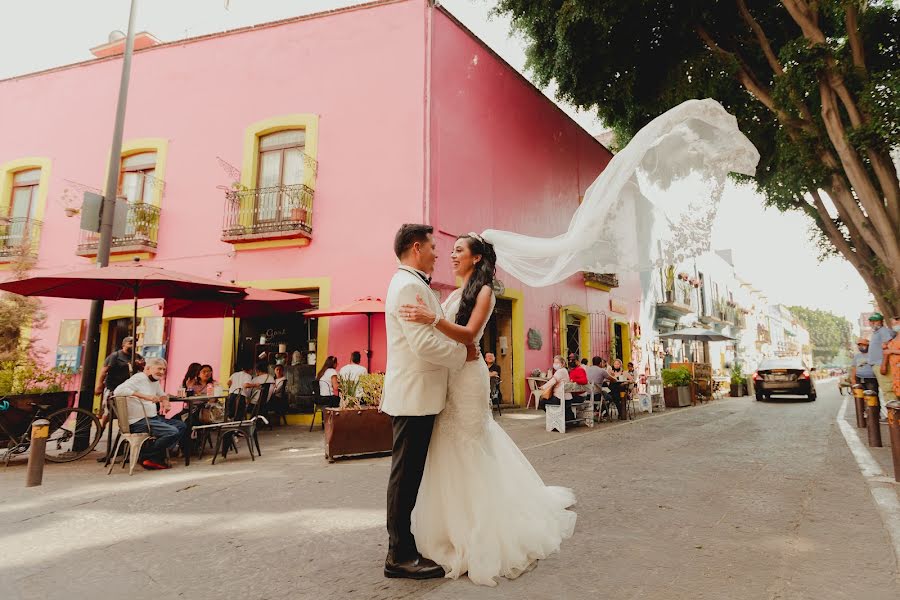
[[411, 438]]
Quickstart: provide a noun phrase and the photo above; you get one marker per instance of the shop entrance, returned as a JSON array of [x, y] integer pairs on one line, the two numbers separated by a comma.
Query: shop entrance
[[288, 340], [498, 341], [119, 329]]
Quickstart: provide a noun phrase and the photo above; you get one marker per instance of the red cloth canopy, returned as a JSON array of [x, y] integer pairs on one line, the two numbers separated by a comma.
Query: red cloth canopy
[[119, 282], [363, 306], [256, 303]]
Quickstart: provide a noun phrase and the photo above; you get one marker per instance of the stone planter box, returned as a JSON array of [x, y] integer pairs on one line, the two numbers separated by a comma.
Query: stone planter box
[[357, 432], [738, 390], [677, 397]]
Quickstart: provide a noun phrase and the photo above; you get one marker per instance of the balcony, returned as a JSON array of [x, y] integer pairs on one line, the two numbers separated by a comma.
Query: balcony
[[141, 231], [19, 238], [678, 300], [271, 213], [603, 281]]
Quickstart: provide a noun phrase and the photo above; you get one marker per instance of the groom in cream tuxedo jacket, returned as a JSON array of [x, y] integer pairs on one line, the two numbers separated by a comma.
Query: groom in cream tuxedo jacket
[[419, 360]]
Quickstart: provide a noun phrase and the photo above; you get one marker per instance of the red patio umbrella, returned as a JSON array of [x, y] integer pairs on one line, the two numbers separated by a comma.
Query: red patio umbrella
[[117, 282], [364, 306], [255, 303]]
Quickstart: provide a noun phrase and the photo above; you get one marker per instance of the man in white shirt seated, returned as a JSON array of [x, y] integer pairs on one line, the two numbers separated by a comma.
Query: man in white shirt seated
[[144, 392], [252, 388], [236, 403], [354, 370]]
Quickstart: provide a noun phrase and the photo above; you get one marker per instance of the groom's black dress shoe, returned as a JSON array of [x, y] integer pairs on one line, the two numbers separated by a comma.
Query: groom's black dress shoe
[[417, 567]]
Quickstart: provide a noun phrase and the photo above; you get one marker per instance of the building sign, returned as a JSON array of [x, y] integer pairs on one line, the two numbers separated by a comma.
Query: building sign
[[618, 306], [535, 342]]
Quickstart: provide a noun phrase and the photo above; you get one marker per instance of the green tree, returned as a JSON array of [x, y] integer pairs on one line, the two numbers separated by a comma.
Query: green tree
[[829, 333], [815, 85]]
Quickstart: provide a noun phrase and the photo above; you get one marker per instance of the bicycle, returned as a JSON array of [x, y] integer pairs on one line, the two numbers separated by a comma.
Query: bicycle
[[66, 425]]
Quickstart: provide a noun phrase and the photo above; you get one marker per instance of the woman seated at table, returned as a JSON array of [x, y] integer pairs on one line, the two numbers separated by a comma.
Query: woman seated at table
[[190, 377], [620, 383], [328, 383], [558, 384], [203, 381]]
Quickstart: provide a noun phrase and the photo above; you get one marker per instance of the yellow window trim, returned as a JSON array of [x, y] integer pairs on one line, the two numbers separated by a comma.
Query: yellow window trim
[[584, 329], [8, 170], [139, 145], [518, 342], [308, 122], [597, 286], [291, 243], [324, 286]]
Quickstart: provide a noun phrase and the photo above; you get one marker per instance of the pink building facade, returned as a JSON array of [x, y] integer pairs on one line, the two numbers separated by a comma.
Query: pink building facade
[[285, 156]]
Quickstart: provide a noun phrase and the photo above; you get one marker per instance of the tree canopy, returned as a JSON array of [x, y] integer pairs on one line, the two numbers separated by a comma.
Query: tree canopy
[[829, 333], [814, 84]]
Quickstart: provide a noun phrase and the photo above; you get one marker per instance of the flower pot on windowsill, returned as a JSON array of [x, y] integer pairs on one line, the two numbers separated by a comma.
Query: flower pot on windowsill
[[356, 432]]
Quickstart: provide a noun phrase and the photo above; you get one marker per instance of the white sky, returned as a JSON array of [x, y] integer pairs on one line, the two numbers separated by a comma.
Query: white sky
[[771, 250]]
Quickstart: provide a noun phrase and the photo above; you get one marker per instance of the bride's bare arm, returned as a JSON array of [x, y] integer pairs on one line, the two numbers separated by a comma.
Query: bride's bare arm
[[464, 334]]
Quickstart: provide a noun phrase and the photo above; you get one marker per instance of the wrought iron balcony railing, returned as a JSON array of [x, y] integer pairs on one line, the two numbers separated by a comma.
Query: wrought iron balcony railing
[[19, 237], [268, 213], [609, 280], [141, 232]]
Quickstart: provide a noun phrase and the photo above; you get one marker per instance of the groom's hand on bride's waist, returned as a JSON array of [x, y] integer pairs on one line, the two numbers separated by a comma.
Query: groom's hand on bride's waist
[[471, 353]]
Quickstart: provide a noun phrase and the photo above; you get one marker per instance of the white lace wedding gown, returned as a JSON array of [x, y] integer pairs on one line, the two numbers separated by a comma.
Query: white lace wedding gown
[[482, 509]]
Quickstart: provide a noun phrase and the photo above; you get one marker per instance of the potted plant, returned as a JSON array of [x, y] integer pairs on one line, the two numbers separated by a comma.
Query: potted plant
[[670, 284], [357, 427], [144, 219], [676, 387], [738, 382]]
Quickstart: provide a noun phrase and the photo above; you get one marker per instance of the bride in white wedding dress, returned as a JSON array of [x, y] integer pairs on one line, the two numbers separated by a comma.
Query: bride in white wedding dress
[[481, 508]]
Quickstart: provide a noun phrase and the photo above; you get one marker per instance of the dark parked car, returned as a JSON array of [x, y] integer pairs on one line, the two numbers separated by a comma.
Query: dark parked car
[[784, 377]]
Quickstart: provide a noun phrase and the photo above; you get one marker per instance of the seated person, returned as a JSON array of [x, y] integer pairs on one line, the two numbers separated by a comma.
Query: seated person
[[329, 392], [278, 393], [144, 393], [578, 375], [619, 385], [252, 388], [190, 378], [494, 374], [558, 384], [236, 402]]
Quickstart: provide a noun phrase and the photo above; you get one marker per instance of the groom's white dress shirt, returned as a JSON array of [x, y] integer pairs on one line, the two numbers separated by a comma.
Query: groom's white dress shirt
[[419, 357]]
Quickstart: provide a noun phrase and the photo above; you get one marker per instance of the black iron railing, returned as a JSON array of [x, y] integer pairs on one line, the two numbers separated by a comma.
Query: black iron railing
[[141, 230], [19, 237], [278, 211]]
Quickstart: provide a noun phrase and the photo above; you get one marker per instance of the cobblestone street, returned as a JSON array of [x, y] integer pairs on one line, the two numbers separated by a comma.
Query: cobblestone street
[[734, 499]]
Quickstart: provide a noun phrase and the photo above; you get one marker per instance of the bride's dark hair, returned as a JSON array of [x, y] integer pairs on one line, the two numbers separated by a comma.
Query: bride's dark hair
[[482, 275]]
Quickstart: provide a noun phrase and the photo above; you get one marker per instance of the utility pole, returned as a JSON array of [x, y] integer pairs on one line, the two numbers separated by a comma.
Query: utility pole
[[107, 213]]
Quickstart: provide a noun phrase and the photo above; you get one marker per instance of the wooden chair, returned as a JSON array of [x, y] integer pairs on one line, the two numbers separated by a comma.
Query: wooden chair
[[534, 394]]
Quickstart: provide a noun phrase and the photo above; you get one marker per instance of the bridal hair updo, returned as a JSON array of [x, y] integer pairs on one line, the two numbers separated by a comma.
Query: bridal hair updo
[[483, 274]]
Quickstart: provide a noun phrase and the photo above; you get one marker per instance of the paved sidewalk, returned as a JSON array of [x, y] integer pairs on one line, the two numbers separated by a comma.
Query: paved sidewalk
[[735, 499]]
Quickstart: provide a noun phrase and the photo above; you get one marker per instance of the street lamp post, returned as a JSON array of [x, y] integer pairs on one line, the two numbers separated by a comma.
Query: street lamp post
[[107, 213]]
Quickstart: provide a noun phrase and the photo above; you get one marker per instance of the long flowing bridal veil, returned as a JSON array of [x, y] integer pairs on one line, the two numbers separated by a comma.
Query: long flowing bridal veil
[[654, 204]]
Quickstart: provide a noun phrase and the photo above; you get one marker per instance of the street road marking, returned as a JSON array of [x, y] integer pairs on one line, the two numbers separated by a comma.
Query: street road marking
[[885, 497]]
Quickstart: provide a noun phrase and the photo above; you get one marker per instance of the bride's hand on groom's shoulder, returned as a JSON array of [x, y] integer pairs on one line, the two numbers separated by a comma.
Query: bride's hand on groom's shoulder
[[417, 313]]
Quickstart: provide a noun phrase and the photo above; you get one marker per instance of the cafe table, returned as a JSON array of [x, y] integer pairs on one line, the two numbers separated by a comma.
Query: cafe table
[[193, 404]]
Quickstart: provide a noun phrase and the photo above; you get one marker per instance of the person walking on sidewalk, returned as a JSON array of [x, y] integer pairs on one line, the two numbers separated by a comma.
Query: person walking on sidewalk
[[881, 337], [890, 366]]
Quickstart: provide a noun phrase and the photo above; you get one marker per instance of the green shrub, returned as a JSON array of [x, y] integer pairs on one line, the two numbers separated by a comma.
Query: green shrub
[[676, 377], [737, 375]]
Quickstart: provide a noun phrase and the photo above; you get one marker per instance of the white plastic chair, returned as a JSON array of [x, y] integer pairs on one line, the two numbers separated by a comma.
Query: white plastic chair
[[534, 395], [135, 441]]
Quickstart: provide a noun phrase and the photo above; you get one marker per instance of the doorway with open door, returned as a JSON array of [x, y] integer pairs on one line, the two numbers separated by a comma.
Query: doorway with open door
[[498, 341]]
